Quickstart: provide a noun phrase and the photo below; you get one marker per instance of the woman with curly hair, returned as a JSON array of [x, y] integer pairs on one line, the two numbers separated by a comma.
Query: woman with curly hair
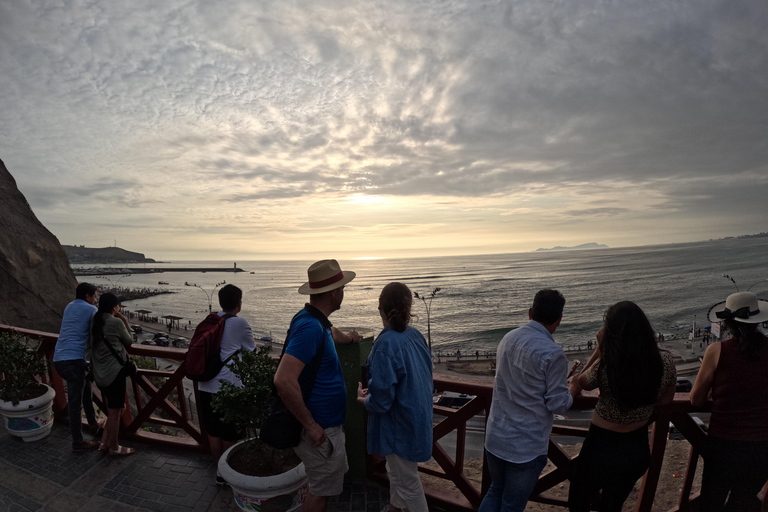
[[634, 376], [735, 373], [399, 399]]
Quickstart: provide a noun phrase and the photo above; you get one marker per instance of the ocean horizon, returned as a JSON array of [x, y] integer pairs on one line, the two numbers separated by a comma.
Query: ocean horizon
[[482, 297]]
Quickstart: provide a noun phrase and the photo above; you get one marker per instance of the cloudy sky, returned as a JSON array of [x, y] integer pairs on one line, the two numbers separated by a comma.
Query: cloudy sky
[[191, 129]]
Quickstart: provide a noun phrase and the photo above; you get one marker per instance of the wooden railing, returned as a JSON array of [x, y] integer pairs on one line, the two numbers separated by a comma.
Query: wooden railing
[[163, 398], [460, 494]]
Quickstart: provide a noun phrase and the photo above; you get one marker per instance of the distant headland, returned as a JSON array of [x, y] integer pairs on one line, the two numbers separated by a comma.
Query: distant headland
[[591, 245], [83, 254]]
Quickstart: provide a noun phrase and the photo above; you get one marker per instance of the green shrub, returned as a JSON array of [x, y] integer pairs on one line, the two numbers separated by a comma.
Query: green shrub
[[246, 406], [18, 367]]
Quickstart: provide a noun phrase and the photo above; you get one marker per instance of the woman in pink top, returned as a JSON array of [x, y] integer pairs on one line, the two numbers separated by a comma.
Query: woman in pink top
[[735, 372]]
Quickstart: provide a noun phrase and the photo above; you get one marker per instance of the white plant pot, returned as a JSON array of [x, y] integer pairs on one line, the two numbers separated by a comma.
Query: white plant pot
[[30, 419], [283, 492]]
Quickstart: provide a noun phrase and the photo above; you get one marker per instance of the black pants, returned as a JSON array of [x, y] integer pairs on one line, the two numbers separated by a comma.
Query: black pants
[[610, 462], [736, 467], [79, 396]]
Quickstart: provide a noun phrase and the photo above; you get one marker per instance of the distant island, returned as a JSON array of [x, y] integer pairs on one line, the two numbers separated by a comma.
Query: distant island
[[591, 245], [83, 254]]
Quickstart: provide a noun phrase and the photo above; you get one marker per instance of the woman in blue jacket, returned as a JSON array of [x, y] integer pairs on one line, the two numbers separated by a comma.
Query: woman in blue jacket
[[399, 399]]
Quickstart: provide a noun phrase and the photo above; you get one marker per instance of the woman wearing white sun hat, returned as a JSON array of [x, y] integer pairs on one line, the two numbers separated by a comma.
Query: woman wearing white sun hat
[[736, 373]]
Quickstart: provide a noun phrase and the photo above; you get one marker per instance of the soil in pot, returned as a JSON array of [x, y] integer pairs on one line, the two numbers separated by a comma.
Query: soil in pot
[[33, 391], [258, 459]]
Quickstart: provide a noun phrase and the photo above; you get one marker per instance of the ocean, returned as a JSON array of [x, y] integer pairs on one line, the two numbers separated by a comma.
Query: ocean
[[483, 297]]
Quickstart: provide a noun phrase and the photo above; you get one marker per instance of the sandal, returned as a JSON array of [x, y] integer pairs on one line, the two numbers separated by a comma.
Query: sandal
[[122, 451]]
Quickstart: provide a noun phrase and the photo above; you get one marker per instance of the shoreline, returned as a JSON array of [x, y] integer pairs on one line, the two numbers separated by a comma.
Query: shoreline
[[483, 367]]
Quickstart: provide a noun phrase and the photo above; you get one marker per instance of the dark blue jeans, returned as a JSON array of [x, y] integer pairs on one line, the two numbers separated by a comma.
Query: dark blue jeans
[[511, 483], [79, 395]]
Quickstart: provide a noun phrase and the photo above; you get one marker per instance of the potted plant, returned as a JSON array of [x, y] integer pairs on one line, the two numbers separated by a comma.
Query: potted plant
[[26, 405], [261, 477]]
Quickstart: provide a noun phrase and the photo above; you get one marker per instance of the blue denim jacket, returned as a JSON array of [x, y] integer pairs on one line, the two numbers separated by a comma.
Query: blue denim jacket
[[530, 387], [399, 398]]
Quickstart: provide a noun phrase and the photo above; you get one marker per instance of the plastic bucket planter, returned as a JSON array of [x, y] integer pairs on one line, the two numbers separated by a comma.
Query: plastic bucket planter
[[283, 492], [30, 419]]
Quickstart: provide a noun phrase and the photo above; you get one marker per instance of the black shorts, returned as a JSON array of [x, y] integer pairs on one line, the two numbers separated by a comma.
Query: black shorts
[[214, 425], [114, 393]]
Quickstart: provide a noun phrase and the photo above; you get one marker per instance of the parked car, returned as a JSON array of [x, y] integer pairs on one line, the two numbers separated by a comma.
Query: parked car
[[683, 385], [676, 435], [137, 329]]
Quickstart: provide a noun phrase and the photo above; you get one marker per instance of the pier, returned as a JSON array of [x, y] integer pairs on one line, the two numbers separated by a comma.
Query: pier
[[150, 270]]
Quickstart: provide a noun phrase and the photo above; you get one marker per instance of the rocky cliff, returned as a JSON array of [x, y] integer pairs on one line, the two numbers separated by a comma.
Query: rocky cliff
[[36, 282]]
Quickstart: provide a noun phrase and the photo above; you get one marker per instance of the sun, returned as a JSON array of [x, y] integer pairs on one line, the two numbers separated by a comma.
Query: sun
[[365, 199]]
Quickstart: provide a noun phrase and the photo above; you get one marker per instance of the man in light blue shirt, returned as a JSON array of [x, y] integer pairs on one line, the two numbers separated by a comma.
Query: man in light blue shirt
[[529, 388], [69, 360]]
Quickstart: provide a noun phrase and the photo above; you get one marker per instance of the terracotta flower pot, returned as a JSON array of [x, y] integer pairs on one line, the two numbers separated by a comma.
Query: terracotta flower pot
[[30, 419], [283, 492]]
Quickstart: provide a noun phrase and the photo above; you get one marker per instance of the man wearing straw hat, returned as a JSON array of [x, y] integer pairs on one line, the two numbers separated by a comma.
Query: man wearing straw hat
[[323, 413]]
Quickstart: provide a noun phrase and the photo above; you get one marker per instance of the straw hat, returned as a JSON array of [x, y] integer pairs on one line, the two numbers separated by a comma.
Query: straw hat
[[324, 276], [742, 307]]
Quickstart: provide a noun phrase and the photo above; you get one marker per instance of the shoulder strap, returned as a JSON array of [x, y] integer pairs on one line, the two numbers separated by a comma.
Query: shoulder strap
[[114, 352], [226, 317], [313, 367]]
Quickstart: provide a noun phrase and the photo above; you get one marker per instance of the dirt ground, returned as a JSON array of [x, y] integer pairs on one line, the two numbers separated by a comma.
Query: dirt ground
[[667, 495]]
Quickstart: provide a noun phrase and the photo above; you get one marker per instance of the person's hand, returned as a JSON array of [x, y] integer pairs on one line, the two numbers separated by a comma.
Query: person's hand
[[576, 366], [316, 434], [361, 393], [355, 336], [574, 386]]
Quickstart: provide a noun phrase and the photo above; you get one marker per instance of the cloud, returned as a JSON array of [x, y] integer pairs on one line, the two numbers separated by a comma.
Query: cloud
[[543, 109]]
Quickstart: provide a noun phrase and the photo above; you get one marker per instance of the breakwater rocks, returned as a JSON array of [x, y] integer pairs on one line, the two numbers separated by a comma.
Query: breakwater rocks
[[135, 293]]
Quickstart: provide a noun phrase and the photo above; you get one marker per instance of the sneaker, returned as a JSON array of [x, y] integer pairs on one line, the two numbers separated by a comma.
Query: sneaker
[[84, 445]]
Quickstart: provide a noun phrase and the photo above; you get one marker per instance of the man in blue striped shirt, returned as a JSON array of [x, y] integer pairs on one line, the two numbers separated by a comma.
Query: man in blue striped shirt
[[529, 388]]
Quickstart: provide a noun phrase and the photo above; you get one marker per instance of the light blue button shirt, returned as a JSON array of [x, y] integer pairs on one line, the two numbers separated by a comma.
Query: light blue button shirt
[[530, 387], [73, 335]]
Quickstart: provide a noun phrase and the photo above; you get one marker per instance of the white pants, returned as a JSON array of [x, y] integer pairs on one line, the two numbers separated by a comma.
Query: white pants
[[405, 490]]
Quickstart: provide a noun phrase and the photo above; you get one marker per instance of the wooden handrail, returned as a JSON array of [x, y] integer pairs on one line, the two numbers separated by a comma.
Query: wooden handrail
[[466, 497], [158, 397]]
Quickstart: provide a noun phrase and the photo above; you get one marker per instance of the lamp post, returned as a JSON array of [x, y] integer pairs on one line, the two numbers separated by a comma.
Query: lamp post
[[209, 296], [428, 305], [114, 283]]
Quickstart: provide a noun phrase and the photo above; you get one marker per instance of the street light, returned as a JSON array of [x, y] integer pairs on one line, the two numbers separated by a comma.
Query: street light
[[114, 283], [209, 296]]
